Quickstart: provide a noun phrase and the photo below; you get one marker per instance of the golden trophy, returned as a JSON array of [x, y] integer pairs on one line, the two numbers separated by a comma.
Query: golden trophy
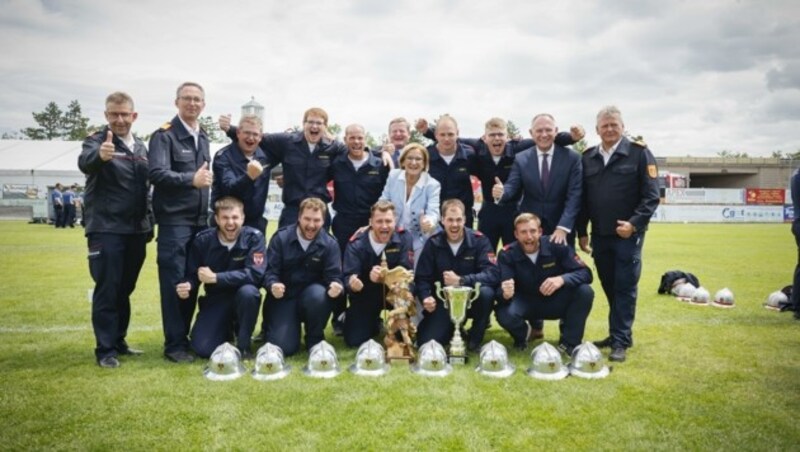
[[457, 300], [400, 330]]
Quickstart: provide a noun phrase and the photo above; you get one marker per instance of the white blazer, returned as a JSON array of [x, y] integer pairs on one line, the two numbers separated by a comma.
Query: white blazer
[[424, 199]]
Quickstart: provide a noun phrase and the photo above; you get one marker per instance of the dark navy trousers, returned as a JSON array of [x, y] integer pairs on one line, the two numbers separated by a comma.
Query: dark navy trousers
[[114, 263], [176, 314], [216, 315]]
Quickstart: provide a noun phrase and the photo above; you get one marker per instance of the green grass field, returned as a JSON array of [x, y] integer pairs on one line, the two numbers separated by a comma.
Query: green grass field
[[698, 378]]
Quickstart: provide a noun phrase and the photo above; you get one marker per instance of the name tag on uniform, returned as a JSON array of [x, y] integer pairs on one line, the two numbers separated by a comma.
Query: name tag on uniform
[[391, 250], [238, 258], [469, 258], [373, 173], [186, 151], [315, 259], [120, 154], [462, 170], [549, 265], [323, 156]]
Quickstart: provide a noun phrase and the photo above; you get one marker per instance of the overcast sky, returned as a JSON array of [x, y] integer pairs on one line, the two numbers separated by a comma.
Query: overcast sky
[[692, 77]]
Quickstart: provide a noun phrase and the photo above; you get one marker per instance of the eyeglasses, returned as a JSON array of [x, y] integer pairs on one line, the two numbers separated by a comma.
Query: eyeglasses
[[414, 159], [112, 115], [315, 123], [197, 100]]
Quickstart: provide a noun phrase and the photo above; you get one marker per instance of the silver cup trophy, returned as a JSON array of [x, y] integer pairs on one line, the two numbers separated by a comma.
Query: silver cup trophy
[[457, 300]]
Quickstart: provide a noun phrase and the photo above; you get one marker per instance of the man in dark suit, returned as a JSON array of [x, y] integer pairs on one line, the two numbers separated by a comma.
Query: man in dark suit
[[550, 179]]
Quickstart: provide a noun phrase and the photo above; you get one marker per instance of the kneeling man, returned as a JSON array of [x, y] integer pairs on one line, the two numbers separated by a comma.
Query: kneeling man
[[541, 279], [303, 277], [362, 271], [456, 256], [229, 261]]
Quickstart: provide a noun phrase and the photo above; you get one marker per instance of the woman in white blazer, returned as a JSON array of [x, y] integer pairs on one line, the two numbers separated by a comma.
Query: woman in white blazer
[[415, 195]]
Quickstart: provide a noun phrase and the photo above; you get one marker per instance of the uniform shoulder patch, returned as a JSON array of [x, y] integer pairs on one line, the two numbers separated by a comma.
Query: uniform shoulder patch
[[166, 126], [401, 229], [506, 247], [639, 142], [652, 171], [478, 233]]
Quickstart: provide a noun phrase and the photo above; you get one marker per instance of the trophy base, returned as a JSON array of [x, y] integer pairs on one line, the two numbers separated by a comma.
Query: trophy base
[[399, 353], [457, 360]]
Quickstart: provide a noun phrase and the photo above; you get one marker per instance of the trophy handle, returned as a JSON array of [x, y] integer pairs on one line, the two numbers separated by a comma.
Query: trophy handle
[[440, 294], [475, 292]]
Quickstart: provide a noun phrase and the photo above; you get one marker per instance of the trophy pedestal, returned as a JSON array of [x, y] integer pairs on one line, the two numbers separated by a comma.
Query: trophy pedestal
[[457, 360], [399, 353], [458, 353]]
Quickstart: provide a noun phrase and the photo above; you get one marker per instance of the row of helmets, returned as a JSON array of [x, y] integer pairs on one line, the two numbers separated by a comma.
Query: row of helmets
[[701, 297], [546, 363]]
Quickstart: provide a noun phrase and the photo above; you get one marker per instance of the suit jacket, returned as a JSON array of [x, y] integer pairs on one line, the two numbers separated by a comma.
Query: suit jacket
[[561, 203], [424, 199]]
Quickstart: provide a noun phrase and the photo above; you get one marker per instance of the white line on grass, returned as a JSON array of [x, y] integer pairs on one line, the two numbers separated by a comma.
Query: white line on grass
[[61, 329]]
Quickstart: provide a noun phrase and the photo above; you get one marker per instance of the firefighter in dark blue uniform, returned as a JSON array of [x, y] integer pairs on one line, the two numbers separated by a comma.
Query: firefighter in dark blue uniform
[[229, 260], [456, 256], [57, 199], [540, 279], [450, 165], [304, 273], [358, 180], [180, 173], [492, 161], [362, 271], [620, 194], [69, 206], [118, 224], [306, 158], [242, 170]]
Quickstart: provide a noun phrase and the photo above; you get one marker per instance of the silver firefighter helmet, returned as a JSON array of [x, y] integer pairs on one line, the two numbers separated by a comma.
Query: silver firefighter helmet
[[270, 364], [493, 361], [685, 291], [723, 299], [701, 297], [546, 363], [587, 362], [322, 361], [432, 360], [776, 300], [370, 360], [225, 364]]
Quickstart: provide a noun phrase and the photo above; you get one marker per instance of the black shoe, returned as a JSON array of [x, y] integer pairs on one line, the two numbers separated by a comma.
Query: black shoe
[[131, 352], [180, 356], [605, 343], [617, 354], [247, 355], [520, 346], [109, 362], [566, 349], [473, 347]]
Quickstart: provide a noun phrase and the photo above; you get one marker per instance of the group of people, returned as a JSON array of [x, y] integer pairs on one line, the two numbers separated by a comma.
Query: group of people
[[65, 203], [539, 196]]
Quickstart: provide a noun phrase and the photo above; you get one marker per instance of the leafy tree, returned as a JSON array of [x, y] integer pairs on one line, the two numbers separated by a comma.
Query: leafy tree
[[12, 136], [49, 121], [512, 129], [75, 126], [54, 123], [215, 134], [334, 129], [725, 153]]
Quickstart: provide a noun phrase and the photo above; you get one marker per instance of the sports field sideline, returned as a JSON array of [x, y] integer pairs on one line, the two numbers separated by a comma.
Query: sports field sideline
[[697, 378]]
